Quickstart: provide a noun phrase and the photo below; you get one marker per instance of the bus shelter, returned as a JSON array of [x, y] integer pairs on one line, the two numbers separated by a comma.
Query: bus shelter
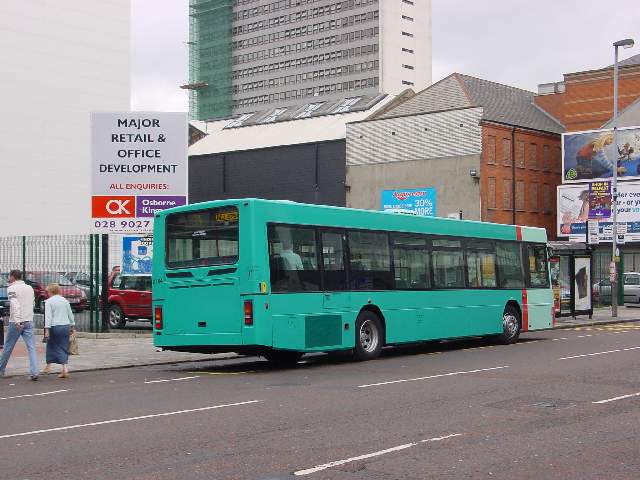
[[571, 266]]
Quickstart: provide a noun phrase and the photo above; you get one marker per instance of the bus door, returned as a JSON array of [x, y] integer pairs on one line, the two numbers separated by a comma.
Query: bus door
[[336, 298]]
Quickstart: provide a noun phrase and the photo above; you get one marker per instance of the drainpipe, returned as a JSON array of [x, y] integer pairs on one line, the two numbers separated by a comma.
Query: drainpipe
[[513, 175]]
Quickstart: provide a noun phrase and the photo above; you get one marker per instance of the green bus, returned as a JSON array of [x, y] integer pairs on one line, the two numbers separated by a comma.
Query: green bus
[[280, 279]]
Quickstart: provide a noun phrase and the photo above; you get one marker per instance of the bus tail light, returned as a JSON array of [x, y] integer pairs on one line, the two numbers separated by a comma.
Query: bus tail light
[[157, 316], [248, 312]]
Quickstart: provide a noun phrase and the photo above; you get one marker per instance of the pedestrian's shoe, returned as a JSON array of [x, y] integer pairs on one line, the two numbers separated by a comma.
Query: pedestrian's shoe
[[64, 375], [34, 378], [45, 371]]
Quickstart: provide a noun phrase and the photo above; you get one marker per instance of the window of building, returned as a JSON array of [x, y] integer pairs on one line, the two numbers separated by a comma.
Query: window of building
[[481, 265], [506, 194], [405, 82], [273, 115], [345, 105], [293, 259], [520, 195], [405, 17], [407, 34], [370, 261], [546, 198], [506, 151], [309, 109], [557, 160], [491, 192], [509, 258], [408, 67], [533, 156], [411, 262], [546, 158], [407, 50], [408, 2], [520, 154], [490, 149], [533, 197], [238, 121]]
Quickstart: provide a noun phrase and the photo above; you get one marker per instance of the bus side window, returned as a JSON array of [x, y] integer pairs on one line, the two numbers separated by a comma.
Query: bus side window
[[334, 273], [537, 266], [509, 265], [411, 262], [293, 259], [370, 261], [481, 265]]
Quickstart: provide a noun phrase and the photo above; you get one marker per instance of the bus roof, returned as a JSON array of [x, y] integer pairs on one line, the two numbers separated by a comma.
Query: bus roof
[[344, 217]]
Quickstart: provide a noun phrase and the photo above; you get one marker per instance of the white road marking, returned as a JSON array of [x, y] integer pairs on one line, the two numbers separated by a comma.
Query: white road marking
[[128, 419], [337, 463], [172, 380], [622, 397], [432, 376], [34, 395], [600, 353]]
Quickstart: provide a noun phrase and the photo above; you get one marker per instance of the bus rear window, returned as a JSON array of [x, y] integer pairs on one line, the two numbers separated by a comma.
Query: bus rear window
[[202, 238]]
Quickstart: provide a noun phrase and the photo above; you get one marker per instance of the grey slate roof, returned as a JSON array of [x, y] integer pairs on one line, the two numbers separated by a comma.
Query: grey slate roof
[[635, 60], [500, 103]]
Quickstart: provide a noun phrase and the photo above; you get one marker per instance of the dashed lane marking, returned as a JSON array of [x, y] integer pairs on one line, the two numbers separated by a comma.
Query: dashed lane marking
[[34, 395], [451, 374], [172, 379], [618, 350], [128, 419], [224, 373], [337, 463], [614, 399]]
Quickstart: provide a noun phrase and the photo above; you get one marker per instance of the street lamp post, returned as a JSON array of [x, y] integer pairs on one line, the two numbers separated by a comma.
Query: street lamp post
[[626, 43]]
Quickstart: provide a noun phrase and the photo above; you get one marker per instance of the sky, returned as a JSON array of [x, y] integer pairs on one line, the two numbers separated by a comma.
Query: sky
[[516, 42]]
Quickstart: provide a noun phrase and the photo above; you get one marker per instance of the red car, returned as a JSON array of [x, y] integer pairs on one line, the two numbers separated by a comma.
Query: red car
[[39, 281], [129, 298]]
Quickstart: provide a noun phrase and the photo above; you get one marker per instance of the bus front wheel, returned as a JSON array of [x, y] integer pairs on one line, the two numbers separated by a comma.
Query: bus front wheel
[[510, 325], [285, 358], [368, 336]]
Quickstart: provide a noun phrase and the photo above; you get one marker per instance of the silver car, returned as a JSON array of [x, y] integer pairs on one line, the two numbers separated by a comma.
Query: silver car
[[631, 289]]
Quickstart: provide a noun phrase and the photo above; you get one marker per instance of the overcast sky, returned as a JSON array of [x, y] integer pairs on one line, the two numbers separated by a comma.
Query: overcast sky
[[516, 42]]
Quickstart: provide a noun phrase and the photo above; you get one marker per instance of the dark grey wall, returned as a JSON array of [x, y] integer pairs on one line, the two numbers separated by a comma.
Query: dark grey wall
[[309, 173]]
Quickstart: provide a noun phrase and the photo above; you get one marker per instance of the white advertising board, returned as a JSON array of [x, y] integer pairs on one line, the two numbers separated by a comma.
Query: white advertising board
[[139, 167], [573, 213]]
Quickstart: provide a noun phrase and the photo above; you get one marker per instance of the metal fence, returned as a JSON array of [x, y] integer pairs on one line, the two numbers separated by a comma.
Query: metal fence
[[73, 261]]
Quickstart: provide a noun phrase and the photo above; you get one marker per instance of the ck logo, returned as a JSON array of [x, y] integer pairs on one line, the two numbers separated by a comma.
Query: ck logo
[[121, 207]]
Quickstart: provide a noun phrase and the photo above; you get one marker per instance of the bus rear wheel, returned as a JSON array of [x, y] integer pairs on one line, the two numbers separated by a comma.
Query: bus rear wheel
[[368, 336], [511, 323], [285, 358]]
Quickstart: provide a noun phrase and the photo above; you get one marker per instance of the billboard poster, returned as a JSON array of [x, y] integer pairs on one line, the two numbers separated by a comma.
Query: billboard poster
[[137, 253], [582, 287], [139, 167], [574, 210], [591, 155], [418, 201], [599, 200]]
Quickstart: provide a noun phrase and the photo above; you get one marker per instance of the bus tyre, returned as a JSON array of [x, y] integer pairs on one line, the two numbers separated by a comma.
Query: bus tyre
[[284, 358], [368, 336], [511, 323], [116, 317]]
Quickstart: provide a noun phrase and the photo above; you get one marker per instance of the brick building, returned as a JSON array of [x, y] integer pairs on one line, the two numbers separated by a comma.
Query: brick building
[[461, 136], [584, 100]]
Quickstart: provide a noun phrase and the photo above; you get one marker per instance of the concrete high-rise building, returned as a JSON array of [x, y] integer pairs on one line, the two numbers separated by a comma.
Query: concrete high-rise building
[[248, 55]]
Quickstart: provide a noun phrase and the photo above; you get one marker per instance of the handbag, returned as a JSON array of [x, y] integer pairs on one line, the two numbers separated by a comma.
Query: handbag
[[73, 344]]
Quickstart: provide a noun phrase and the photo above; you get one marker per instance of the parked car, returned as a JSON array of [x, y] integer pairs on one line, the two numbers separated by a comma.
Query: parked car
[[4, 300], [129, 298], [39, 281], [83, 281], [631, 280]]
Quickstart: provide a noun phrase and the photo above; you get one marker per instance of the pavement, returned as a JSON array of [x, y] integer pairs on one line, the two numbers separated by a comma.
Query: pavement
[[132, 347], [558, 405]]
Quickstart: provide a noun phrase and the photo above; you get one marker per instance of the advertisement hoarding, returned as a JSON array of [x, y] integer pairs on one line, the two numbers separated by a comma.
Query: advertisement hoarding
[[137, 254], [419, 201], [574, 206], [591, 155], [139, 167]]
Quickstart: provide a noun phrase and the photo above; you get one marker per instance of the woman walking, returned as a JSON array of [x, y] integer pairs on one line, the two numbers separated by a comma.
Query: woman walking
[[58, 325]]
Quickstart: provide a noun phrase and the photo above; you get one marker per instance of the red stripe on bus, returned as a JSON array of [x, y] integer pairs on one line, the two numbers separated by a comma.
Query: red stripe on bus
[[525, 311], [519, 233]]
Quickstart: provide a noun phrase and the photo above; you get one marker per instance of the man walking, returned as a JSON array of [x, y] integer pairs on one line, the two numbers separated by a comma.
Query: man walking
[[21, 299]]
